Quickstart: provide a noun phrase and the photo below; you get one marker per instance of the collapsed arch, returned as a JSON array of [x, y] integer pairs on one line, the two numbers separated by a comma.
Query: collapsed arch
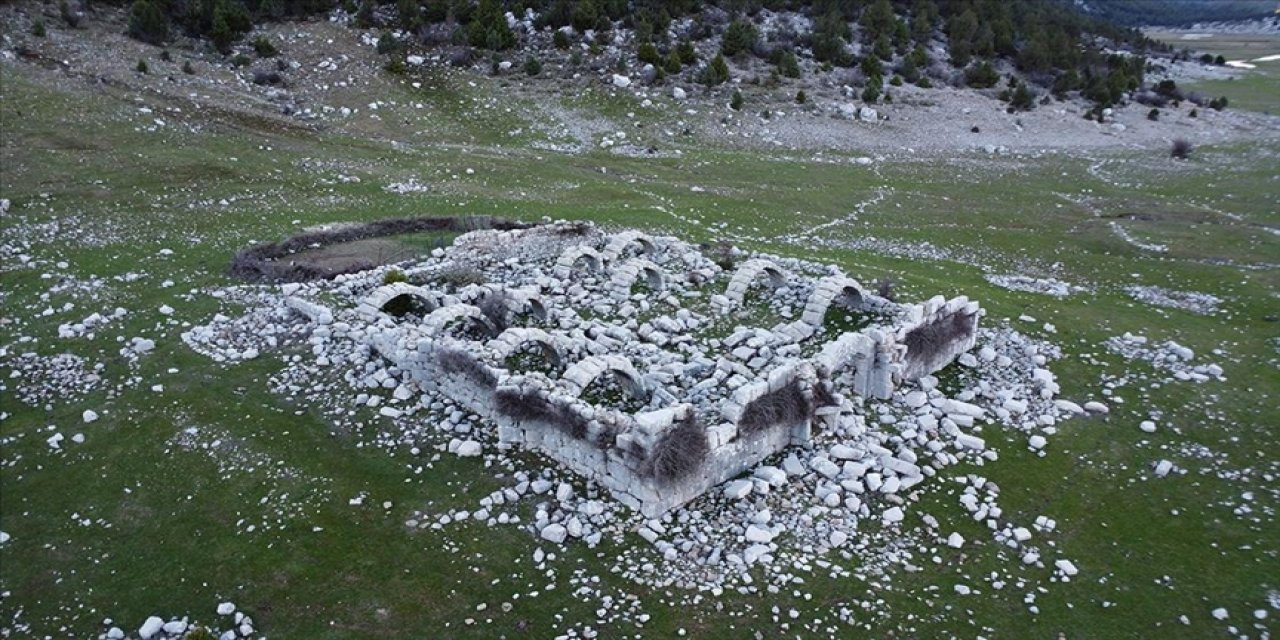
[[439, 320], [618, 243], [580, 376], [515, 339], [747, 274], [830, 290], [568, 261], [624, 276]]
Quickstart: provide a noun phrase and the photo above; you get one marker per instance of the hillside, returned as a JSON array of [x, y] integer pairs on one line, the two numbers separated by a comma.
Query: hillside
[[1138, 13], [328, 332]]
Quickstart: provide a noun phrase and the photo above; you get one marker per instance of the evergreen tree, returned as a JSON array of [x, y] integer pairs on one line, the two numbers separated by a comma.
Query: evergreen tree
[[961, 30], [830, 33], [788, 65], [147, 23], [585, 15], [410, 15], [983, 76], [716, 72], [924, 18], [1023, 99], [740, 37], [878, 21], [489, 28]]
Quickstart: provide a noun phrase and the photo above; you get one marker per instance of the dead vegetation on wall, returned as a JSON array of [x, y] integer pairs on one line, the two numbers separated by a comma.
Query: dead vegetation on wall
[[680, 452], [927, 341], [533, 407], [460, 363], [786, 406]]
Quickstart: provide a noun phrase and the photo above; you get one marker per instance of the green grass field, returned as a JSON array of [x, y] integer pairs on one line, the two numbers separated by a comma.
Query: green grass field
[[167, 524], [1255, 89]]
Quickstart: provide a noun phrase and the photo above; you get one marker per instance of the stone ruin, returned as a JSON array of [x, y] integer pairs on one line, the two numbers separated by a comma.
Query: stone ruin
[[628, 358]]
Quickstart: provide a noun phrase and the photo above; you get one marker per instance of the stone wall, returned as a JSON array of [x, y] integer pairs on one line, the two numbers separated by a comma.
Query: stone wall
[[750, 381]]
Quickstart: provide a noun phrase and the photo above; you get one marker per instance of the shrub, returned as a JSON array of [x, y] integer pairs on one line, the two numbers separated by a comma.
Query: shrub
[[560, 40], [1153, 115], [495, 309], [1181, 149], [786, 406], [37, 28], [459, 276], [1219, 60], [715, 73], [896, 81], [1195, 113], [263, 47], [686, 52], [265, 77], [649, 53], [364, 15], [1022, 98], [165, 55], [739, 38], [735, 103], [788, 65], [801, 98], [199, 633], [187, 68], [924, 83], [241, 60], [680, 452], [885, 290], [461, 363], [1168, 89], [672, 63], [870, 94], [983, 76], [575, 57], [230, 21], [532, 66], [142, 67], [1218, 104], [393, 276], [387, 43]]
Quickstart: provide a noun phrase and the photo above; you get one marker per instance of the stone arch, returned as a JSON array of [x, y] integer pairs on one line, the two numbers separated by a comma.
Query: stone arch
[[516, 338], [828, 291], [568, 261], [618, 243], [373, 303], [747, 274], [625, 274], [580, 376], [439, 320]]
